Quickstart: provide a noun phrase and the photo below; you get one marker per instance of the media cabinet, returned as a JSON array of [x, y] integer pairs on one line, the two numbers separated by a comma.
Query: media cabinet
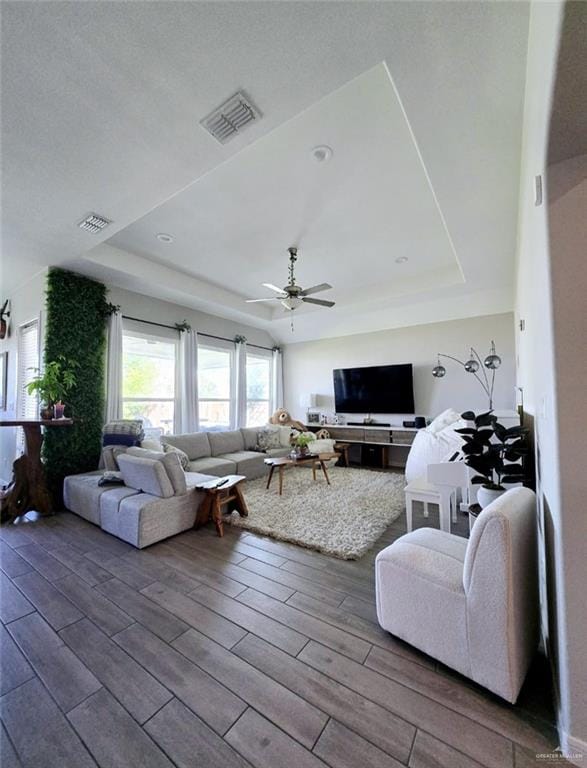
[[372, 445]]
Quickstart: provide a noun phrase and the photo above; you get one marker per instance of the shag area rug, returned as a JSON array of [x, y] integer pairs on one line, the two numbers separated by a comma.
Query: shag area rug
[[344, 519]]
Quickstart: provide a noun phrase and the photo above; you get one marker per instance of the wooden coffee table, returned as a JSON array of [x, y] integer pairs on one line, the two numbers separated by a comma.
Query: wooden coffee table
[[284, 462]]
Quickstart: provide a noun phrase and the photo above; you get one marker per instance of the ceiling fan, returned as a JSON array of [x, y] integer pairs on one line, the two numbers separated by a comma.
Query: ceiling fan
[[292, 295]]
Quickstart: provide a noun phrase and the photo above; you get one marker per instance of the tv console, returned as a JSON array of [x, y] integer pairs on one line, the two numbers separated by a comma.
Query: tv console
[[374, 445]]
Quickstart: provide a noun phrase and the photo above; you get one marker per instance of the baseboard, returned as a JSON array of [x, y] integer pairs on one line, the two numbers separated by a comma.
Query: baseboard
[[573, 749]]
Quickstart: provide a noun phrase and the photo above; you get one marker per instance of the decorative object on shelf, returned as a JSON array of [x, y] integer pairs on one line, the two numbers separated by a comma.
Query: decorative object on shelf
[[283, 419], [497, 454], [59, 410], [308, 401], [322, 434], [58, 378], [474, 365], [3, 379], [4, 313], [419, 422], [313, 418], [183, 326]]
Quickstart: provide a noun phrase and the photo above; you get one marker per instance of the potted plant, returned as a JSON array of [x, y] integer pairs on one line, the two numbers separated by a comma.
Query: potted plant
[[53, 384], [495, 453], [301, 444]]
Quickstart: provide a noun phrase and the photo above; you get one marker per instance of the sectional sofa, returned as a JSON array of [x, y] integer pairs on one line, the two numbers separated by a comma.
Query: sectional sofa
[[227, 453], [158, 499]]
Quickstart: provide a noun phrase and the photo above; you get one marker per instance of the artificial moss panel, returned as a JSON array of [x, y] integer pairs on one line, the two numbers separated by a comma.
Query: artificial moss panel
[[76, 314]]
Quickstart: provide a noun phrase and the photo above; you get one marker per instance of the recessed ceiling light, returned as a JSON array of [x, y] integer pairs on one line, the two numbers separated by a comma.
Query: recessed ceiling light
[[401, 259], [94, 223], [322, 153], [164, 237]]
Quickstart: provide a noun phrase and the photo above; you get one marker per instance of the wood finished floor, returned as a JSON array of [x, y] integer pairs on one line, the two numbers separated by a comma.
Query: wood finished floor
[[226, 653]]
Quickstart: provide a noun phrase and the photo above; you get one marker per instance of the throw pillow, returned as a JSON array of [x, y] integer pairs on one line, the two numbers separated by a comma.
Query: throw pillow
[[151, 445], [184, 459], [268, 439], [285, 436]]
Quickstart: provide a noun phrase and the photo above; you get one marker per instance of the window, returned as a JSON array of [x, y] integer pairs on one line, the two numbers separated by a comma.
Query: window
[[28, 363], [215, 388], [258, 389], [148, 380]]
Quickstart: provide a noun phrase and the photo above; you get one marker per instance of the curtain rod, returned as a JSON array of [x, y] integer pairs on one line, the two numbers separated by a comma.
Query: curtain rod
[[208, 335]]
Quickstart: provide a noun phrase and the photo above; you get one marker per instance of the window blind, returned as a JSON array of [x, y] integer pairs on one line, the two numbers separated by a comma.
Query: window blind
[[27, 359]]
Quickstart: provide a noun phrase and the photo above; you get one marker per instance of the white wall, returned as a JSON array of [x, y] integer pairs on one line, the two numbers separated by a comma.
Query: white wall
[[147, 308], [550, 298], [567, 218], [308, 366], [27, 303]]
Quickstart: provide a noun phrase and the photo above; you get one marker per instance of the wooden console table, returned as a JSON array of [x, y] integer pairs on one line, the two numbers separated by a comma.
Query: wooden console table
[[28, 489], [375, 441]]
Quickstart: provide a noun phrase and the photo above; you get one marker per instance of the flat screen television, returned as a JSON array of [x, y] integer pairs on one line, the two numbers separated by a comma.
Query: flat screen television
[[374, 389]]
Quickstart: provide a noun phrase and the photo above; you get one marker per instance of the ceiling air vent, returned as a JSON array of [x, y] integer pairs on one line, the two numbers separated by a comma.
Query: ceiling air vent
[[230, 118], [94, 223]]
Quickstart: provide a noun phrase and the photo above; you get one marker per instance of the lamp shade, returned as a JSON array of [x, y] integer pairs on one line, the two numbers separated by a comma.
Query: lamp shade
[[307, 400]]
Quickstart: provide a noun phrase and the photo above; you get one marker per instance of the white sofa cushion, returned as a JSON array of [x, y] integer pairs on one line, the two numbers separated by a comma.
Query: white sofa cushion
[[146, 475], [213, 465], [322, 446], [170, 461]]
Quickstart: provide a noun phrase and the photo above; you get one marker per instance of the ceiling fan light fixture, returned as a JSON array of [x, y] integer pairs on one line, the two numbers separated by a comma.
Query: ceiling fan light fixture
[[291, 302]]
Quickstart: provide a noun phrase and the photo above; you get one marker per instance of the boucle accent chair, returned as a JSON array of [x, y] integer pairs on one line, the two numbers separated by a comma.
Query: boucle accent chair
[[473, 605]]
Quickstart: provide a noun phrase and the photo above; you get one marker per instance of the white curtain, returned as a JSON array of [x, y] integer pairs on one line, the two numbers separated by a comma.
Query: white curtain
[[277, 381], [241, 384], [186, 384], [114, 368]]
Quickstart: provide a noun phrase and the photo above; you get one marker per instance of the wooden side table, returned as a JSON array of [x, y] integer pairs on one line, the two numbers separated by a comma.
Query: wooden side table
[[221, 492], [28, 489]]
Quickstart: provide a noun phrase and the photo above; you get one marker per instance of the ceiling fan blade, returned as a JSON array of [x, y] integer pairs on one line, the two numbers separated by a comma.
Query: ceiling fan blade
[[320, 302], [316, 289], [270, 298], [274, 288]]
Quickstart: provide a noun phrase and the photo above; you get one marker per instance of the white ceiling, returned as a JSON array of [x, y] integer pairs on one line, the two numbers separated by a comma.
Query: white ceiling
[[101, 105]]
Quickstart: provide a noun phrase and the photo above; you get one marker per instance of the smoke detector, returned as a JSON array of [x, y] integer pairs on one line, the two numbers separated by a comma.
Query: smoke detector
[[94, 223], [231, 117]]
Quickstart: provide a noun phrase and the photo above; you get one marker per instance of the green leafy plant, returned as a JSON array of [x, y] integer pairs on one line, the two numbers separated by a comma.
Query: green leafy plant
[[302, 441], [75, 329], [56, 381], [493, 451]]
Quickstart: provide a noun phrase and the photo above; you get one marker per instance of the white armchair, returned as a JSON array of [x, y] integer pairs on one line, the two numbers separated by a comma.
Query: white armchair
[[473, 605]]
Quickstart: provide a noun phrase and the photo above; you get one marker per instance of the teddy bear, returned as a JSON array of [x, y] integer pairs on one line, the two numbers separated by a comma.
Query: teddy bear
[[282, 418]]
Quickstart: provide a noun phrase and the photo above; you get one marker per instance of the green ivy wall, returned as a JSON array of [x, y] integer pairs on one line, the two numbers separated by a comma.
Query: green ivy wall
[[75, 326]]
